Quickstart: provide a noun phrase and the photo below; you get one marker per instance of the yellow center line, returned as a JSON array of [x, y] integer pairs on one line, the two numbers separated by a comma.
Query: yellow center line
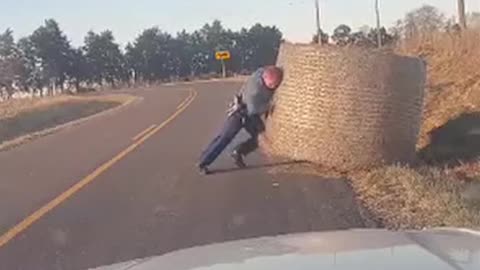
[[139, 135], [187, 99], [31, 219]]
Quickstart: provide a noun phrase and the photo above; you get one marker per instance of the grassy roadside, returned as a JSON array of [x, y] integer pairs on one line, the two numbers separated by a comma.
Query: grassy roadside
[[21, 120], [11, 108], [443, 189], [416, 198]]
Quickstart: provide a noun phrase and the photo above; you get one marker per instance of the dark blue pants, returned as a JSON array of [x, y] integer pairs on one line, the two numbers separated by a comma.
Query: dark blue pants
[[232, 126]]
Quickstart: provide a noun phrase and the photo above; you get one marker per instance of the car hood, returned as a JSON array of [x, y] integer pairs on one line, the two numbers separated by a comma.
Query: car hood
[[440, 249]]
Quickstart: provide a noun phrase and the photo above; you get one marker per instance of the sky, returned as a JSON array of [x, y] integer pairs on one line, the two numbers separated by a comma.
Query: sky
[[127, 18]]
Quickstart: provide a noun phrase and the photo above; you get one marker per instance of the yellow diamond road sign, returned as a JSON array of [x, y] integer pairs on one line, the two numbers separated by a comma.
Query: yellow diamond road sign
[[222, 55]]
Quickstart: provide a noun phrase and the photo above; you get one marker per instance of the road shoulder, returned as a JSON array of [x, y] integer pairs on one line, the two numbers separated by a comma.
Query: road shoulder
[[28, 120]]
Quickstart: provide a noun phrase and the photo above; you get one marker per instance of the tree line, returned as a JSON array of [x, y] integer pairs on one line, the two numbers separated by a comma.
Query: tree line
[[343, 35], [47, 60], [422, 21]]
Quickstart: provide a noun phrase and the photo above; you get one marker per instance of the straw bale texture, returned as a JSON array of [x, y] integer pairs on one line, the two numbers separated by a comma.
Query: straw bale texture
[[346, 108]]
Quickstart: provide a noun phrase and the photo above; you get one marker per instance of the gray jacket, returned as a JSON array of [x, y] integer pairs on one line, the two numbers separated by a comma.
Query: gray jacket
[[256, 95]]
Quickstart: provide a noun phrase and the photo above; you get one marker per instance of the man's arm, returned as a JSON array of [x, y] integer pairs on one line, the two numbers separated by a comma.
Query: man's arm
[[270, 110], [240, 99], [236, 105], [237, 101]]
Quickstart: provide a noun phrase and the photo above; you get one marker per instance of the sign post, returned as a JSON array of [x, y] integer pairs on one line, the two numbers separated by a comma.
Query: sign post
[[222, 56]]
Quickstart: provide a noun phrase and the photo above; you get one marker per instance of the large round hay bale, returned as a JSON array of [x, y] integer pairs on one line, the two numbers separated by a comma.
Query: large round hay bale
[[346, 108]]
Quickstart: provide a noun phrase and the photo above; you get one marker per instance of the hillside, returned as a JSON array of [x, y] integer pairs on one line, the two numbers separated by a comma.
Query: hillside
[[453, 77], [443, 189]]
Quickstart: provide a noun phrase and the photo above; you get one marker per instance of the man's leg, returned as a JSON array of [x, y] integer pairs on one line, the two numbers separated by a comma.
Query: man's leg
[[254, 126], [232, 126]]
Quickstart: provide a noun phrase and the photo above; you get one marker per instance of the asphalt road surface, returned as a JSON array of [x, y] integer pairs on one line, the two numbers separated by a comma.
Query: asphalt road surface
[[124, 186]]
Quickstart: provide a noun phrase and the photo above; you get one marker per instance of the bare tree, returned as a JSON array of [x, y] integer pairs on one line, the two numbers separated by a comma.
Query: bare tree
[[342, 35], [461, 14], [423, 21]]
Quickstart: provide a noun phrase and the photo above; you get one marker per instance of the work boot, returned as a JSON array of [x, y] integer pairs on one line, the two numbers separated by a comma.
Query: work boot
[[238, 159], [204, 170]]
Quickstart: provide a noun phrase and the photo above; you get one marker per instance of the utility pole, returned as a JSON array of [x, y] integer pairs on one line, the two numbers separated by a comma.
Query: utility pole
[[224, 69], [461, 14], [319, 29], [379, 35]]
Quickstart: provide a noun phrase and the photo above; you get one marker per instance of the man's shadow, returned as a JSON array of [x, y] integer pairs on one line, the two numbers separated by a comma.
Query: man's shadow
[[454, 143], [258, 166]]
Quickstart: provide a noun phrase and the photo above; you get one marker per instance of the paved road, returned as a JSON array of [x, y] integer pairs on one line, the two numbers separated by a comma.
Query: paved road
[[117, 199]]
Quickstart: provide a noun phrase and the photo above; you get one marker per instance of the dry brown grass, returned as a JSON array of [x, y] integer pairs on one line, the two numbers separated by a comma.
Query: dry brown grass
[[405, 198], [24, 120], [445, 189], [13, 107], [453, 87]]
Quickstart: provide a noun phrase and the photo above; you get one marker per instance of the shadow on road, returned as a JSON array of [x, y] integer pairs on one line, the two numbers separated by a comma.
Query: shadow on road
[[259, 166], [455, 142]]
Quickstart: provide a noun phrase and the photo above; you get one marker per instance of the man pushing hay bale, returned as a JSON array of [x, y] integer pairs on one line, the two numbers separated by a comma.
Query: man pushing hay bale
[[346, 108]]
